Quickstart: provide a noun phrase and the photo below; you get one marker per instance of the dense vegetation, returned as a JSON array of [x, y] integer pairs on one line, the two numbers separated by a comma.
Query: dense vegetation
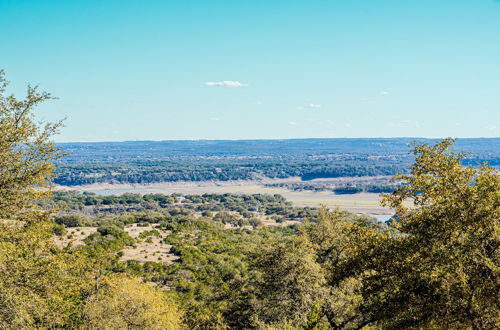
[[343, 185], [243, 262], [70, 174], [156, 207]]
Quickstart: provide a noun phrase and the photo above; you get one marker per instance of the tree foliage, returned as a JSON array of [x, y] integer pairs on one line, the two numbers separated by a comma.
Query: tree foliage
[[290, 284], [447, 258], [126, 303], [26, 152], [39, 285]]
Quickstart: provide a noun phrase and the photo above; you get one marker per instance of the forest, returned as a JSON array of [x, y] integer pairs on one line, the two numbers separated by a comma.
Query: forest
[[221, 261], [144, 172]]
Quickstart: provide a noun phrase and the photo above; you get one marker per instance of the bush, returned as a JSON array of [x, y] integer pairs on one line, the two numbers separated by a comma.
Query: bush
[[58, 229], [73, 220], [255, 222], [347, 190]]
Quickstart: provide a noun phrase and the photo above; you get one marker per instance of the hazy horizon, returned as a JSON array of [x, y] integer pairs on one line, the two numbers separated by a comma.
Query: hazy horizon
[[278, 139]]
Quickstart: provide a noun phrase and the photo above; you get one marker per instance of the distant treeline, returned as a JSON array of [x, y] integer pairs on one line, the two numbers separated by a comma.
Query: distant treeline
[[150, 172], [482, 148], [348, 188]]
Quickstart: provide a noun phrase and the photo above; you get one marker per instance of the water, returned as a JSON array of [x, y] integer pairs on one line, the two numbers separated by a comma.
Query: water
[[383, 218], [109, 192]]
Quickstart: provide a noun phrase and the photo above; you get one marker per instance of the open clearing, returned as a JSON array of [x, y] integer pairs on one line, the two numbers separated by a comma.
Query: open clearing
[[74, 236], [150, 248], [147, 248]]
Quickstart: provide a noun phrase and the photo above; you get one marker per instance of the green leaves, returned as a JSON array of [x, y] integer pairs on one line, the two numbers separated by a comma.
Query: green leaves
[[449, 217], [26, 153]]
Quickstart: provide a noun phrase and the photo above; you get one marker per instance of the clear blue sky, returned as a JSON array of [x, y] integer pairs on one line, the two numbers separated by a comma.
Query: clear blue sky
[[155, 70]]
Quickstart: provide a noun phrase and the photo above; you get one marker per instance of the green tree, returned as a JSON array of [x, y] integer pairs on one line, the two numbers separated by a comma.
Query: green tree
[[39, 286], [340, 241], [26, 153], [439, 267], [42, 286], [290, 284], [126, 303], [447, 259]]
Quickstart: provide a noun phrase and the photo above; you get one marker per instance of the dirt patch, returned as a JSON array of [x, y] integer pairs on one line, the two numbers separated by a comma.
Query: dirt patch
[[74, 236], [147, 248]]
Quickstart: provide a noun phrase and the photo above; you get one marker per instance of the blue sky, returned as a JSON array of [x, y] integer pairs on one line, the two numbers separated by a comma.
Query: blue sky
[[157, 70]]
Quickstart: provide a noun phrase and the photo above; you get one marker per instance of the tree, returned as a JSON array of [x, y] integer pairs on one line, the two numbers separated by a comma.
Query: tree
[[126, 303], [42, 286], [439, 267], [290, 285], [447, 257], [26, 153], [341, 241], [39, 286]]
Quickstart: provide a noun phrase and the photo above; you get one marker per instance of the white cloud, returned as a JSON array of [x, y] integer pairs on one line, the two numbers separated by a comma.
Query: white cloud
[[312, 105], [329, 122], [258, 103], [225, 83], [384, 93], [348, 125], [214, 118], [292, 123]]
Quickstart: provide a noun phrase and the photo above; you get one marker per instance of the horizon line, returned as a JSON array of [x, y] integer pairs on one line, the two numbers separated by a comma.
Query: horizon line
[[285, 139]]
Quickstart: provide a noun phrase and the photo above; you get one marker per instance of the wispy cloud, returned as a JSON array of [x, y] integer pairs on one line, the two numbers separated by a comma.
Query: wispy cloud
[[384, 93], [293, 123], [225, 83], [214, 118], [329, 122], [258, 103], [312, 105]]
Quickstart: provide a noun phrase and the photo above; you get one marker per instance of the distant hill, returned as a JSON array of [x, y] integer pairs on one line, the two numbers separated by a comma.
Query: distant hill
[[224, 160], [480, 148]]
